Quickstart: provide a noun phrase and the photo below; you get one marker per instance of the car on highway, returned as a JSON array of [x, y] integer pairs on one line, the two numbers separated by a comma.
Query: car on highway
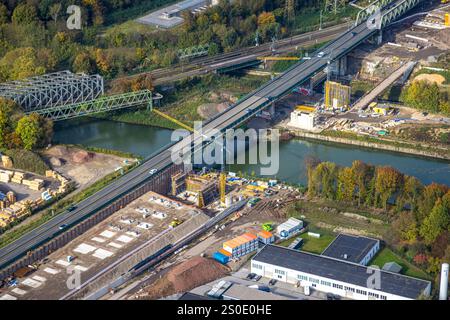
[[152, 172], [63, 226], [320, 54], [71, 208]]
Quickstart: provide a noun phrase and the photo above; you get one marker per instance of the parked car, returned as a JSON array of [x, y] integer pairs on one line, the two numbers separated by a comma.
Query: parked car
[[257, 277], [250, 276], [272, 282]]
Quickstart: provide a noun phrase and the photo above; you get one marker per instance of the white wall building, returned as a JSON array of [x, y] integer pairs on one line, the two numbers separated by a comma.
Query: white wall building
[[291, 226], [346, 279], [303, 120]]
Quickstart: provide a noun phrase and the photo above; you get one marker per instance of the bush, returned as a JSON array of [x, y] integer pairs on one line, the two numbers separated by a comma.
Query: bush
[[27, 161]]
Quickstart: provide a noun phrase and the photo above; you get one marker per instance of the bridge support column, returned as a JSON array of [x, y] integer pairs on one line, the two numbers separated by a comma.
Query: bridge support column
[[272, 109], [380, 37], [342, 66]]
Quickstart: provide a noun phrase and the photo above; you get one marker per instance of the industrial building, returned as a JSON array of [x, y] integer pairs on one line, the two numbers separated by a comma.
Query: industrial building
[[303, 118], [170, 16], [354, 249], [343, 278], [241, 245], [289, 228]]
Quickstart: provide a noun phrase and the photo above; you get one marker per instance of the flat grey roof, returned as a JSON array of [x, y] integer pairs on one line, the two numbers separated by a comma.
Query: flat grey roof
[[355, 247], [339, 270], [156, 18]]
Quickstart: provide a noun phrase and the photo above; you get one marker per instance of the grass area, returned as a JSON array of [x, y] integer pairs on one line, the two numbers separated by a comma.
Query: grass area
[[311, 244], [58, 206], [360, 88], [308, 19], [387, 255], [183, 103]]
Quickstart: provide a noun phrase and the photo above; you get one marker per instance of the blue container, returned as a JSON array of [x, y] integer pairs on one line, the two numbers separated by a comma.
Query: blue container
[[223, 259]]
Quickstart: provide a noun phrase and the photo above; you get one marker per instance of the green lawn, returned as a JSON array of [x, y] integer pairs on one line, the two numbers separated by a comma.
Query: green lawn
[[387, 255], [313, 245]]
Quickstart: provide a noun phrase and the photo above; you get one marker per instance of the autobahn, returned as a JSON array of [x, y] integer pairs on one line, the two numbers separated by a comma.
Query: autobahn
[[232, 117]]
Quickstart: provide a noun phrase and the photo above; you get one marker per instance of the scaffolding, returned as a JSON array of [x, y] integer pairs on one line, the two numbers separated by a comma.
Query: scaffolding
[[206, 189], [178, 183], [53, 89], [103, 104], [336, 95]]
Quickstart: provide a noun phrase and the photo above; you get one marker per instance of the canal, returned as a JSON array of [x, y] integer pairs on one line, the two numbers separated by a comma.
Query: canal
[[144, 140]]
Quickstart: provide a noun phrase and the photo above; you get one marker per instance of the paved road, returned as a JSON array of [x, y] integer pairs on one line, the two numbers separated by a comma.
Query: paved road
[[233, 116]]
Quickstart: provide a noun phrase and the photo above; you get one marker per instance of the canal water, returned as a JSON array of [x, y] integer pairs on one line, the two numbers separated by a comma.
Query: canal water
[[144, 140]]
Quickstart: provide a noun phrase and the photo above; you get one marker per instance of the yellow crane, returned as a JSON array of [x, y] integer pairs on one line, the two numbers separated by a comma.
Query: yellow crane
[[222, 177]]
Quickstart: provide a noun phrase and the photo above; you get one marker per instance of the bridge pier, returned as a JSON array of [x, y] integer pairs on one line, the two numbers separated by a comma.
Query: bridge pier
[[380, 37]]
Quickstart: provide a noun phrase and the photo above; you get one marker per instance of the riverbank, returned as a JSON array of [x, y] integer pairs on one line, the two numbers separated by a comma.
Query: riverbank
[[373, 143]]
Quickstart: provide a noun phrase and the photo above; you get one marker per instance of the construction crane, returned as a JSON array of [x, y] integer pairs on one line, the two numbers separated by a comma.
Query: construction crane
[[222, 176]]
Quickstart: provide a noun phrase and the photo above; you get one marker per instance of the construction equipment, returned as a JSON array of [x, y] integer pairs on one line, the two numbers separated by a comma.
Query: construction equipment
[[267, 226], [175, 222]]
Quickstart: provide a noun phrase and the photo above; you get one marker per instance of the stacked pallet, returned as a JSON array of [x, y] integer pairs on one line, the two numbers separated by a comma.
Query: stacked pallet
[[18, 177], [35, 184], [6, 175]]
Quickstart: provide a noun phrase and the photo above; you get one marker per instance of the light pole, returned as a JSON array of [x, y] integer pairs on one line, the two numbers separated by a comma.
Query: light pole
[[320, 20]]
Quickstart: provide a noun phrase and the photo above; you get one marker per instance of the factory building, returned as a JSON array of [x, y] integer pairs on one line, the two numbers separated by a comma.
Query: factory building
[[329, 275], [303, 118], [354, 249]]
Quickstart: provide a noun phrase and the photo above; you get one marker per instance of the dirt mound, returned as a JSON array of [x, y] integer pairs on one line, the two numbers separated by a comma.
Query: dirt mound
[[58, 151], [209, 110], [82, 156], [56, 162], [186, 276], [430, 78]]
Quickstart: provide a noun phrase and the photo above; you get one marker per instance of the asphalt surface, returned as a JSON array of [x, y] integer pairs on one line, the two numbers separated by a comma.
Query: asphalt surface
[[236, 114]]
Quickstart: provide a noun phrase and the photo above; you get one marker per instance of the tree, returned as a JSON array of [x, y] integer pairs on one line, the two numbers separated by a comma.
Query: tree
[[311, 163], [103, 61], [346, 184], [362, 175], [6, 110], [83, 63], [266, 18], [4, 14], [324, 177], [436, 222], [430, 194], [405, 226], [29, 131], [26, 62], [24, 14], [412, 188], [387, 183]]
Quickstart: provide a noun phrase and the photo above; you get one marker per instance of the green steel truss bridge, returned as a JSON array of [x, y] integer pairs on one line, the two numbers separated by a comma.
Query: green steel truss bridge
[[102, 104]]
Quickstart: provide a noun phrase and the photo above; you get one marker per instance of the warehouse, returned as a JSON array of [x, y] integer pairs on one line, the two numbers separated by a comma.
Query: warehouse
[[354, 249], [346, 279], [289, 228]]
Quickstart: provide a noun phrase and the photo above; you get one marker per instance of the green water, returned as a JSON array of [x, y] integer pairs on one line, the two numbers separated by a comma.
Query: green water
[[144, 140]]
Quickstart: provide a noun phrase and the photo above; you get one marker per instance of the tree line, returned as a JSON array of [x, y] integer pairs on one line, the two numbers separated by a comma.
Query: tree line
[[20, 131], [419, 214], [34, 38]]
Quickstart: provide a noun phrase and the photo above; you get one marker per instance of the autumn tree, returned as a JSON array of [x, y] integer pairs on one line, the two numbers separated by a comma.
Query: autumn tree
[[54, 11], [437, 222], [266, 18], [362, 175], [346, 184], [24, 14], [387, 183], [405, 226], [430, 194], [410, 193], [29, 131], [83, 63]]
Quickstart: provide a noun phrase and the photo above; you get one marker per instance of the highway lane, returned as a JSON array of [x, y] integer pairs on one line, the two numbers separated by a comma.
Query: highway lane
[[262, 96]]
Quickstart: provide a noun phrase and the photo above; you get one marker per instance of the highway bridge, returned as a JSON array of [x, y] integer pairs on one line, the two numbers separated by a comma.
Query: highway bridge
[[237, 114]]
